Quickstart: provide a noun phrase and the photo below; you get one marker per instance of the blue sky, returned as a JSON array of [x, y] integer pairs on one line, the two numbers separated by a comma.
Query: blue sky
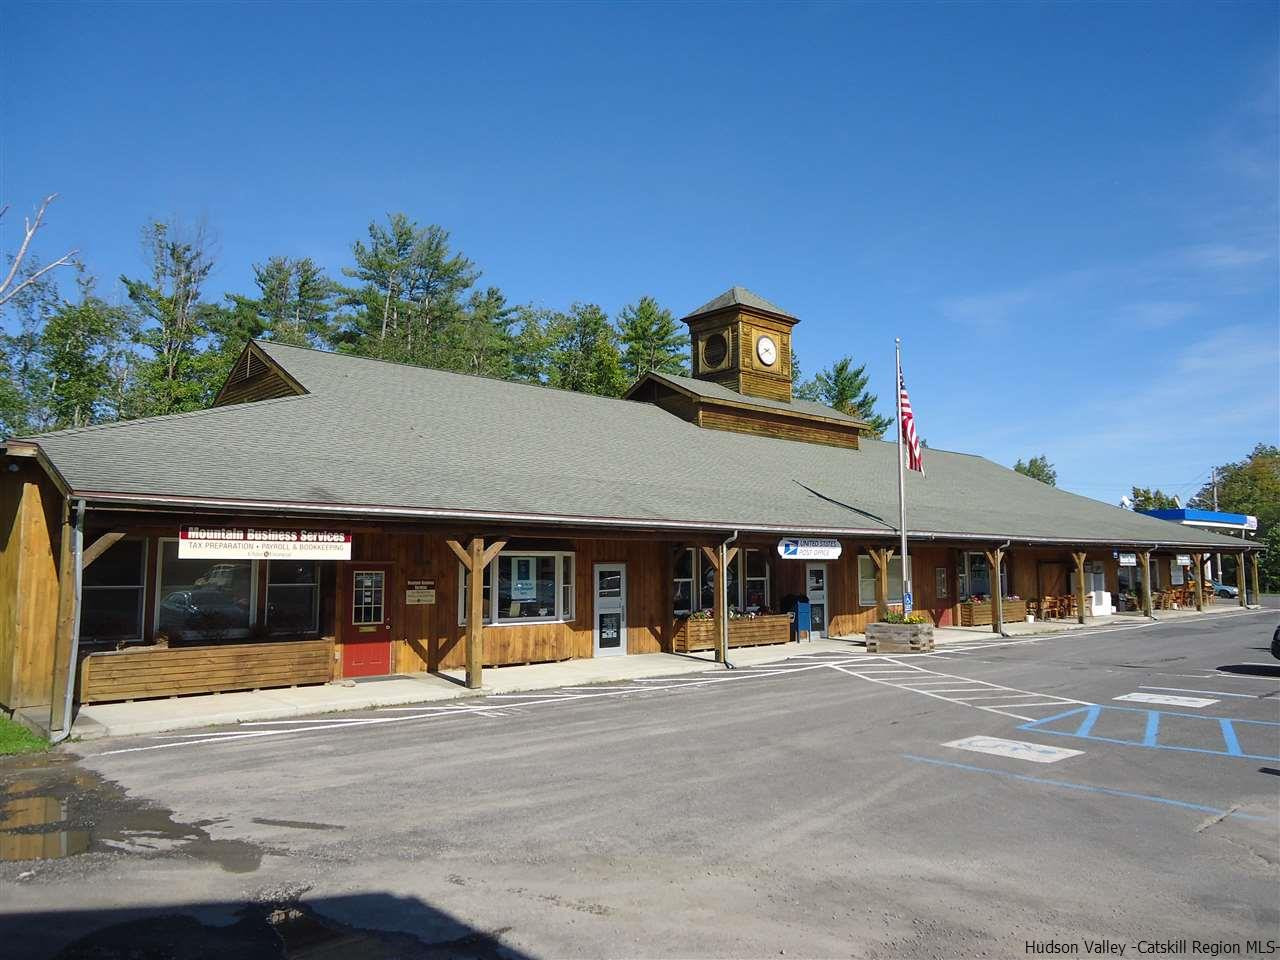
[[1068, 212]]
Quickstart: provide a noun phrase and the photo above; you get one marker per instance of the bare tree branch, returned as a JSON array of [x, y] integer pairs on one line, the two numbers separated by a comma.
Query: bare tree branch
[[7, 288]]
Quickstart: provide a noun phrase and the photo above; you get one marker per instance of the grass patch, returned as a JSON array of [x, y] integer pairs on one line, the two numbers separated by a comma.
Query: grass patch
[[15, 738]]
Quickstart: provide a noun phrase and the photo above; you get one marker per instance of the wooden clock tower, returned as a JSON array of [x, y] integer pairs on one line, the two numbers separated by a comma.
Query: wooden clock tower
[[743, 341]]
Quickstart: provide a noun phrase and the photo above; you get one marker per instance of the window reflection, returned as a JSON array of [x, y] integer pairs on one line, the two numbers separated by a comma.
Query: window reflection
[[203, 599]]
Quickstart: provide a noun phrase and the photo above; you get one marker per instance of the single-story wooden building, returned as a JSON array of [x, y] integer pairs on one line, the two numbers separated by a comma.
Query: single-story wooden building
[[334, 516]]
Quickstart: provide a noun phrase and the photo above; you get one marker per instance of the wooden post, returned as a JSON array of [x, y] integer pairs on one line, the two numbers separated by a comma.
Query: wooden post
[[1240, 581], [997, 595], [1081, 598], [1198, 560], [59, 720], [720, 605], [1144, 558], [881, 560], [474, 558], [475, 614], [1257, 592]]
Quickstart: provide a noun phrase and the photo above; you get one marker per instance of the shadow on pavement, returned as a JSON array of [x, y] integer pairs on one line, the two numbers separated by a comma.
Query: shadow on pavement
[[1252, 669], [355, 926]]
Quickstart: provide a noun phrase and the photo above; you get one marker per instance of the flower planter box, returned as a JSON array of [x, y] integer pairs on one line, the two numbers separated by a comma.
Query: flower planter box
[[899, 637], [143, 672], [694, 635], [979, 614]]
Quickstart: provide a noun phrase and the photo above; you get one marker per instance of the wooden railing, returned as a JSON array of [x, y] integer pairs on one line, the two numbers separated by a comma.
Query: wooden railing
[[142, 672]]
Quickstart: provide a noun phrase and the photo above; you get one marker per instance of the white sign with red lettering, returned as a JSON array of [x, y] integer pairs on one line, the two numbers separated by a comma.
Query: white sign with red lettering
[[262, 543]]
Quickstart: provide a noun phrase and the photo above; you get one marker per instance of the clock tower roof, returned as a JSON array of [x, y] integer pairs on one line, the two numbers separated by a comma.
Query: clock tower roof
[[739, 297]]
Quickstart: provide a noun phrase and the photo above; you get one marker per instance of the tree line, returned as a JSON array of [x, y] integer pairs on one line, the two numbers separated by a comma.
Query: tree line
[[407, 295]]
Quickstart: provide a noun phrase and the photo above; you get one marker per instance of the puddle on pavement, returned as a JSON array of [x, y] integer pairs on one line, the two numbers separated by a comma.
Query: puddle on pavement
[[51, 808]]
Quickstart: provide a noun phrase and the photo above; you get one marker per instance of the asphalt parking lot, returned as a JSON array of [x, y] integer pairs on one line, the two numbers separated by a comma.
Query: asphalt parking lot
[[1120, 785]]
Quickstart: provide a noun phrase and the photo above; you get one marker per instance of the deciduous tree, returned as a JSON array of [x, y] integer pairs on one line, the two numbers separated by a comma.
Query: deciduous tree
[[1145, 498], [582, 352]]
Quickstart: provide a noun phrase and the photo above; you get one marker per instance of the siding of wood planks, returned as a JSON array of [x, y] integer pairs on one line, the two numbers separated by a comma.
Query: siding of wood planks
[[778, 426], [30, 528]]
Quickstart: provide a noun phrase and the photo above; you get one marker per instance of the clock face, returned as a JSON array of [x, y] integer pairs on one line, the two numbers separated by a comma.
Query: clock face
[[767, 351]]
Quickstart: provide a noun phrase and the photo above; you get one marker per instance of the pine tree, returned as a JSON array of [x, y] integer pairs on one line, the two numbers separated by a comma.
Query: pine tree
[[481, 342], [295, 304], [410, 297], [651, 340], [172, 325], [1038, 468], [843, 387]]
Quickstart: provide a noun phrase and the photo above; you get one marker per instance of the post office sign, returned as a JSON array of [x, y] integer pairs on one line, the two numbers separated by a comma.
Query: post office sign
[[1183, 559], [808, 548], [1128, 559]]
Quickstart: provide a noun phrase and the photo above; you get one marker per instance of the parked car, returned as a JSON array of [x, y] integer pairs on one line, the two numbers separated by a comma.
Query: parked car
[[1225, 590], [1275, 643]]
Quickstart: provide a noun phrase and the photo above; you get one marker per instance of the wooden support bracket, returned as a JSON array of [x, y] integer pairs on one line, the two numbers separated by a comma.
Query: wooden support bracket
[[99, 547]]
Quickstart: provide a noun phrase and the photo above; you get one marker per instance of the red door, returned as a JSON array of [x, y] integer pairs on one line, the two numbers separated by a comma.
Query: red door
[[366, 630]]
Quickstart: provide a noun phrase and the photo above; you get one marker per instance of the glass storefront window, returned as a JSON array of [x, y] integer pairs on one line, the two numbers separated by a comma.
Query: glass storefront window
[[203, 599], [111, 601], [523, 587], [682, 582], [867, 580], [293, 596], [526, 587]]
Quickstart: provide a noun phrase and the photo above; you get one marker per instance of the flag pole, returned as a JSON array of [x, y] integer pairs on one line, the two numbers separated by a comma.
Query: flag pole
[[902, 480]]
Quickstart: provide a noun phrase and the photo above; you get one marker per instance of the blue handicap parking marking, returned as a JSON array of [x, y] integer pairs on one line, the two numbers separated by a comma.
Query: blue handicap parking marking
[[1165, 730]]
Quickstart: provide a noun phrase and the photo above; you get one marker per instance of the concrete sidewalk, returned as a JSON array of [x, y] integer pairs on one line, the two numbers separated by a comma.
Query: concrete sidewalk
[[208, 710], [1042, 628]]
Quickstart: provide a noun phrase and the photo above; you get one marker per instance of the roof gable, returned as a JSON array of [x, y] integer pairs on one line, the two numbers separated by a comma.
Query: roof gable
[[256, 376]]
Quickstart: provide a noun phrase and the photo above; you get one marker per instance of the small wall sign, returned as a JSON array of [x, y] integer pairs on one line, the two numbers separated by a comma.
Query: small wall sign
[[419, 592], [808, 548], [1128, 559], [1183, 559], [262, 543]]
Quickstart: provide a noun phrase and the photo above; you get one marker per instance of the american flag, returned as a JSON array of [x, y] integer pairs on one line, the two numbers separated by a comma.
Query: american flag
[[914, 461]]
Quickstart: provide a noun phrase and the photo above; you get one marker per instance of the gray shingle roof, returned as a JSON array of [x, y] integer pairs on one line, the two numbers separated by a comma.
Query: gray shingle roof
[[411, 440], [738, 297], [716, 391]]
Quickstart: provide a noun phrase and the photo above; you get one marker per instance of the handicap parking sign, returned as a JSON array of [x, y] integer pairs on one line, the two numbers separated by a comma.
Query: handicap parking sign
[[906, 603]]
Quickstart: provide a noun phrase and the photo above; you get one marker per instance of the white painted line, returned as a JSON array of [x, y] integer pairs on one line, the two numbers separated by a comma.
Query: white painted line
[[1166, 699], [1221, 693], [1017, 749]]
